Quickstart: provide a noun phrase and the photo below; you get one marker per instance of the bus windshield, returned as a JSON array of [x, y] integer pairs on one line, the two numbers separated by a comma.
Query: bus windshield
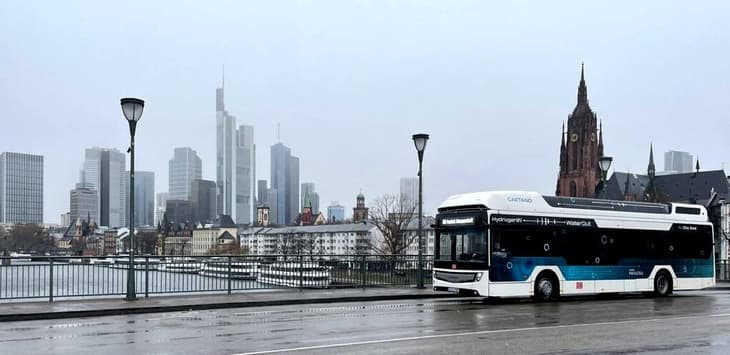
[[466, 245]]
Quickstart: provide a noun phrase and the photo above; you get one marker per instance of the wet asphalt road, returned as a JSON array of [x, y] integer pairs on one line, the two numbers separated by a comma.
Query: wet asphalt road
[[696, 322]]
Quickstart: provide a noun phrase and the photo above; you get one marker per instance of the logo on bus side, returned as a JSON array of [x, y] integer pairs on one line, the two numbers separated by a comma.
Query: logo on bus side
[[519, 199]]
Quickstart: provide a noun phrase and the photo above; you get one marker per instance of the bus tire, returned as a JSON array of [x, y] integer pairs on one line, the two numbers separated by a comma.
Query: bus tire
[[662, 283], [547, 287]]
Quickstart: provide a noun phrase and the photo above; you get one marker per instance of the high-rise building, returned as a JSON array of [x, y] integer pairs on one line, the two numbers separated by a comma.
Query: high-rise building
[[235, 155], [335, 213], [272, 201], [204, 201], [261, 187], [225, 156], [308, 190], [66, 219], [314, 199], [580, 147], [185, 166], [677, 162], [292, 193], [409, 191], [104, 171], [281, 164], [83, 203], [160, 206], [179, 211], [144, 198], [21, 188], [245, 176]]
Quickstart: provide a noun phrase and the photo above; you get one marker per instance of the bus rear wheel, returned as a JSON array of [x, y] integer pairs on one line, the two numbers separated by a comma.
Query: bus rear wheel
[[662, 284], [546, 287]]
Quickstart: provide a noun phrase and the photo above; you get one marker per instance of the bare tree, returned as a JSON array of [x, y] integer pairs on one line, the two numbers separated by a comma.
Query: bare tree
[[391, 214]]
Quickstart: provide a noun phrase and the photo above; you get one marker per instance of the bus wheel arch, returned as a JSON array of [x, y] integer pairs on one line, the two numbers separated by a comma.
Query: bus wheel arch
[[546, 287], [663, 283]]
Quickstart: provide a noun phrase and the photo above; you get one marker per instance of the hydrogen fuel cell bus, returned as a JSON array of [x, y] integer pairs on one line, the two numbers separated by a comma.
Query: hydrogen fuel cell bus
[[523, 244]]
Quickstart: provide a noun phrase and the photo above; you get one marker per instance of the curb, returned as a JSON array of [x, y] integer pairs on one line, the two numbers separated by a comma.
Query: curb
[[199, 307]]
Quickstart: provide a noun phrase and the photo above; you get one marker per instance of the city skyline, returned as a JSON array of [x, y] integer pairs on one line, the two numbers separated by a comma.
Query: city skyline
[[339, 107]]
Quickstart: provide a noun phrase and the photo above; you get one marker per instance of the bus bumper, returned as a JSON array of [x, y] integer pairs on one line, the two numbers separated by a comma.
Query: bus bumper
[[462, 282]]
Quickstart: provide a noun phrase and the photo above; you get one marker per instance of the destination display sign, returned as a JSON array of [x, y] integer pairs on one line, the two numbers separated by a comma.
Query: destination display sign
[[691, 228], [503, 219], [457, 221]]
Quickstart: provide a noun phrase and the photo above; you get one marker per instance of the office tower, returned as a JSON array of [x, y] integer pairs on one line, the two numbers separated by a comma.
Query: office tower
[[21, 188], [245, 176], [104, 171], [160, 206], [185, 166], [409, 191], [179, 211], [280, 163], [308, 189], [261, 187], [292, 194], [204, 201], [335, 213], [677, 162], [144, 198], [314, 199], [235, 165], [272, 201], [226, 149], [65, 219], [83, 203]]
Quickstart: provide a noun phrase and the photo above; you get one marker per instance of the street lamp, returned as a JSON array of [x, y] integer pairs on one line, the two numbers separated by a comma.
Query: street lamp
[[132, 109], [420, 141], [604, 163]]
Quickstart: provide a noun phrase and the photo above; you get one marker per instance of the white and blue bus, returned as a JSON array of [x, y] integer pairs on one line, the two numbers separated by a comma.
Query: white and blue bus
[[523, 244]]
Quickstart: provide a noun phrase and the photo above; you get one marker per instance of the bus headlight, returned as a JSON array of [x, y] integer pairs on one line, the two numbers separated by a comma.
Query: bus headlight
[[479, 276]]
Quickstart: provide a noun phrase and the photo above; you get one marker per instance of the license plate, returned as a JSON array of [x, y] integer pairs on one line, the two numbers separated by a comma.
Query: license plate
[[453, 289]]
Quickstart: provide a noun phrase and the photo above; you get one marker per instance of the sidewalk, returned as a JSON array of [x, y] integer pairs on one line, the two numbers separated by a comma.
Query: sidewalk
[[720, 285], [16, 311]]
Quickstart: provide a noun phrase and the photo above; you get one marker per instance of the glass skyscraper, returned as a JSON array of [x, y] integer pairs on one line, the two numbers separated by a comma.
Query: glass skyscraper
[[185, 166], [21, 188]]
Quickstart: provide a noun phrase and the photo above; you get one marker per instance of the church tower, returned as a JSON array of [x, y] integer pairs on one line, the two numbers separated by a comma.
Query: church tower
[[360, 212], [580, 147]]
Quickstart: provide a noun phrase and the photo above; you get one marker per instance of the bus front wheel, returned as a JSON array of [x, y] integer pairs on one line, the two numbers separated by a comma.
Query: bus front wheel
[[662, 284], [546, 287]]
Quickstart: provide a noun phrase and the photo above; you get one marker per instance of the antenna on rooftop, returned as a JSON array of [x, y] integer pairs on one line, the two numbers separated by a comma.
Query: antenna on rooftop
[[278, 132]]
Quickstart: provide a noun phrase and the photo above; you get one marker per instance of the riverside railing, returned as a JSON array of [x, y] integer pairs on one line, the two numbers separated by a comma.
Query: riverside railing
[[79, 277]]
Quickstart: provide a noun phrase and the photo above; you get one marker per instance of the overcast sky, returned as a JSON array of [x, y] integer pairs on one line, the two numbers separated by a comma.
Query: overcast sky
[[350, 81]]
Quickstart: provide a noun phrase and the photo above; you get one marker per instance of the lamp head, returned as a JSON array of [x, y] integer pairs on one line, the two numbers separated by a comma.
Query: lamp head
[[604, 163], [132, 108], [420, 141]]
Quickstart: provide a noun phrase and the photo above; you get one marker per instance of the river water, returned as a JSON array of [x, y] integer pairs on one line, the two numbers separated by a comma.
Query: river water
[[33, 279]]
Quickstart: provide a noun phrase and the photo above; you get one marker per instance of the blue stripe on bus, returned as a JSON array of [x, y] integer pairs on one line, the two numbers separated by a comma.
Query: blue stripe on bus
[[520, 268]]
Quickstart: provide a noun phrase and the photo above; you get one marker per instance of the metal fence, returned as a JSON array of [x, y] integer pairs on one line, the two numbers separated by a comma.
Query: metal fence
[[76, 277]]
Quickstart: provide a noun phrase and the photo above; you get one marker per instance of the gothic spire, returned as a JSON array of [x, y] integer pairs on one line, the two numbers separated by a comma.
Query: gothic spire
[[697, 166], [651, 170], [562, 136], [582, 90]]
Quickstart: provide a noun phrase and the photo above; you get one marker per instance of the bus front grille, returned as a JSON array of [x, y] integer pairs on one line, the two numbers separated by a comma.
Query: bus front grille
[[454, 277]]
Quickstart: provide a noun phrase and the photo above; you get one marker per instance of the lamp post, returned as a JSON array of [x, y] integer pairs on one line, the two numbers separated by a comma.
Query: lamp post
[[132, 109], [604, 163], [420, 141]]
